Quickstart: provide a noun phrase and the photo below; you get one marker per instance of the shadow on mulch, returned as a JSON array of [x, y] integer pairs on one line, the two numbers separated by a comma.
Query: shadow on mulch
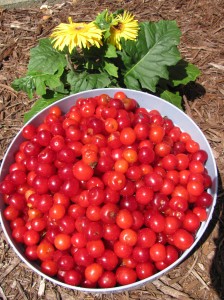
[[217, 266], [193, 91]]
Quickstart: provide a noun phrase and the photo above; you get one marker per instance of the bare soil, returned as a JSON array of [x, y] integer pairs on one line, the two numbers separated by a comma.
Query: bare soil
[[201, 275]]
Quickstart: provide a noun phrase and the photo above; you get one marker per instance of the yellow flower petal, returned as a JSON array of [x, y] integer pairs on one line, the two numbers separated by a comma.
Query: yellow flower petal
[[123, 26], [82, 35]]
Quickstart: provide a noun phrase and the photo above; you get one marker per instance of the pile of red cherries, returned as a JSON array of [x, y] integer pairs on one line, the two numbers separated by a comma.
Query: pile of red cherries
[[106, 194]]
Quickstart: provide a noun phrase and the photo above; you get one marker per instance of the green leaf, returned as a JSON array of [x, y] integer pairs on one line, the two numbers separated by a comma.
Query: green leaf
[[103, 21], [118, 12], [183, 73], [41, 104], [173, 98], [111, 69], [40, 85], [147, 59], [84, 81], [25, 84], [45, 59], [40, 82], [111, 51], [61, 89], [45, 67]]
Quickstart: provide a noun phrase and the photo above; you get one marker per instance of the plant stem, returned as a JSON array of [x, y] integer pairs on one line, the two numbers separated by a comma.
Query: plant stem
[[70, 65]]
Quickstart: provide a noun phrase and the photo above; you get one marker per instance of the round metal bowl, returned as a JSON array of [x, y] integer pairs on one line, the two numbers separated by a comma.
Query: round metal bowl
[[149, 102]]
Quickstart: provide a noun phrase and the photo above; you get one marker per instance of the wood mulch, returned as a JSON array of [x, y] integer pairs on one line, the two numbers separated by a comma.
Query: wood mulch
[[201, 275]]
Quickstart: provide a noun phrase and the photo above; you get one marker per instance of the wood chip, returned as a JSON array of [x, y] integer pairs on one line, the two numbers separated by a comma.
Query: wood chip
[[11, 267], [167, 290], [170, 282], [2, 295], [5, 86], [6, 51], [42, 286], [200, 279], [21, 291], [217, 66], [201, 266]]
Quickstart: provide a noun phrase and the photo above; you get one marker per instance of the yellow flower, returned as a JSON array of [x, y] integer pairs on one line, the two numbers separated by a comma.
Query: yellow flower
[[82, 35], [123, 26]]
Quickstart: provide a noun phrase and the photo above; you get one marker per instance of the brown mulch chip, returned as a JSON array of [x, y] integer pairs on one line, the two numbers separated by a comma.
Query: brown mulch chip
[[201, 275]]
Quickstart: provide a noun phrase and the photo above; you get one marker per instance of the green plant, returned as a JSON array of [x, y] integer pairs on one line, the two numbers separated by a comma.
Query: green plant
[[112, 51]]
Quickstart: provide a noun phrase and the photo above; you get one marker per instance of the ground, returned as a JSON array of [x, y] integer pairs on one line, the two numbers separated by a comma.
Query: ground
[[200, 276]]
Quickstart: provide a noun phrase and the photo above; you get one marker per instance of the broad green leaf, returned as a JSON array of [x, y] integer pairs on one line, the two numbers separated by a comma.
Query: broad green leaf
[[84, 81], [173, 98], [25, 84], [45, 59], [41, 104], [103, 20], [61, 89], [147, 60], [111, 69], [111, 51], [45, 67], [38, 82], [183, 73]]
